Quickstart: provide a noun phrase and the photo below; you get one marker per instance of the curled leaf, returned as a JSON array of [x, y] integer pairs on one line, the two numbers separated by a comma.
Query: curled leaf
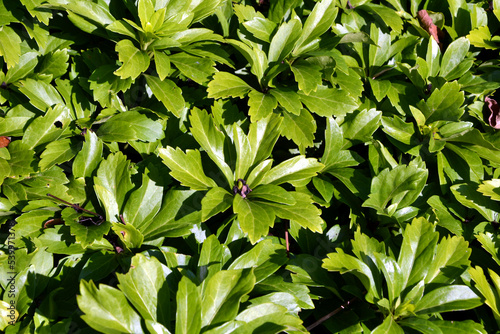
[[4, 141], [494, 118], [429, 26]]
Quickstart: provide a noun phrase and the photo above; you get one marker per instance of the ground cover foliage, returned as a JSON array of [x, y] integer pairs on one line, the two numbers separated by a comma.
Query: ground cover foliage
[[222, 166]]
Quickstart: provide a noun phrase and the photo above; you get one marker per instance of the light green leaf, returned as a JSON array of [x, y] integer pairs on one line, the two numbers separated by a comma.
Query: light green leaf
[[361, 125], [145, 9], [303, 212], [318, 22], [490, 188], [135, 62], [307, 75], [293, 170], [260, 105], [47, 128], [266, 258], [272, 193], [453, 57], [448, 298], [186, 168], [57, 152], [188, 315], [222, 294], [244, 154], [226, 84], [130, 125], [389, 326], [400, 186], [261, 28], [284, 40], [198, 69], [216, 200], [144, 203], [328, 102], [180, 211], [54, 64], [162, 62], [211, 139], [443, 104], [468, 195], [299, 128], [263, 135], [288, 99], [89, 157], [107, 310], [142, 285], [168, 93], [112, 183], [27, 62], [398, 129], [10, 46], [254, 217], [41, 94]]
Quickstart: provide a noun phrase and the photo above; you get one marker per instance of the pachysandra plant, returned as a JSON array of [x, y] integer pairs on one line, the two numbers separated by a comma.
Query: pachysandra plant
[[216, 166], [251, 185]]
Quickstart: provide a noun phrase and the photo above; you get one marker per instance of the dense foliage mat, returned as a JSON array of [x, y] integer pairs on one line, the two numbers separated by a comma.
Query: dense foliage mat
[[218, 166]]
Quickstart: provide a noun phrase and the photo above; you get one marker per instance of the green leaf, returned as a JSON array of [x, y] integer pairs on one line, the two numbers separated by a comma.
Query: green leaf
[[142, 285], [22, 159], [468, 196], [443, 104], [222, 294], [400, 186], [448, 298], [450, 261], [328, 102], [389, 326], [112, 183], [47, 128], [135, 61], [186, 168], [162, 62], [105, 85], [361, 125], [445, 218], [260, 105], [54, 64], [188, 315], [265, 257], [144, 203], [303, 212], [107, 310], [299, 128], [244, 154], [57, 152], [263, 135], [255, 217], [198, 69], [168, 93], [10, 46], [14, 122], [288, 99], [41, 94], [179, 212], [307, 75], [284, 40], [130, 125], [145, 9], [490, 188], [293, 170], [226, 84], [398, 129], [216, 200], [261, 28], [87, 160], [211, 139], [318, 22], [272, 193], [453, 57], [27, 62]]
